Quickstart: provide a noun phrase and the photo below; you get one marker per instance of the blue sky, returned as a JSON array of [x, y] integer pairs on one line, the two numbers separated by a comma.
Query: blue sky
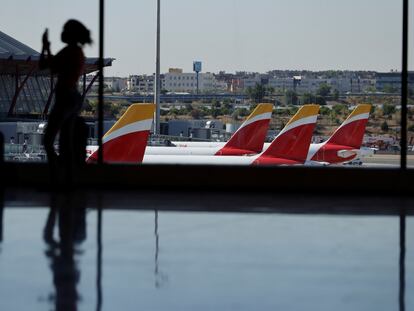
[[225, 34]]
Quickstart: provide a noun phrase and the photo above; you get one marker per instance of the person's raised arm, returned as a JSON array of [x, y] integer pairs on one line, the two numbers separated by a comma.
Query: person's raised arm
[[45, 55]]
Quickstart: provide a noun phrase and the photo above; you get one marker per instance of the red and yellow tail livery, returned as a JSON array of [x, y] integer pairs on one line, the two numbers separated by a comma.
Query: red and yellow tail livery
[[345, 142], [125, 142], [291, 146], [250, 136]]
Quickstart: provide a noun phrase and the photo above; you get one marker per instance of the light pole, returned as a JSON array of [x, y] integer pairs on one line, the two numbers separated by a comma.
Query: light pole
[[157, 84]]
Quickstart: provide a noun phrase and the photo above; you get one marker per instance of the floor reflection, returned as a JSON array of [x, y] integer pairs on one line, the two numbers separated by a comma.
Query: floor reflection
[[99, 258], [67, 213], [237, 265], [160, 278], [1, 215], [402, 259]]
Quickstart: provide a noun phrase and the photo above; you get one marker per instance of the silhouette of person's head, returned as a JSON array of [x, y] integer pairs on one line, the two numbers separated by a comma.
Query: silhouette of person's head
[[74, 32]]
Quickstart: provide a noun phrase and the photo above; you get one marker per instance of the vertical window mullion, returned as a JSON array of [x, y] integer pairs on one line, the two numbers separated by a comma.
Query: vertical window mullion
[[101, 80], [404, 88]]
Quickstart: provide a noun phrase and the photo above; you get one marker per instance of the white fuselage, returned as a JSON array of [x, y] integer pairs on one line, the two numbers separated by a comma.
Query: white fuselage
[[150, 150], [199, 144], [205, 155], [207, 151], [203, 148], [195, 151], [210, 160]]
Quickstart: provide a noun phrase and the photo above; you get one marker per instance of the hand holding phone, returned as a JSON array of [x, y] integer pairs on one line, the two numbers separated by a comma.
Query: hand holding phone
[[45, 39]]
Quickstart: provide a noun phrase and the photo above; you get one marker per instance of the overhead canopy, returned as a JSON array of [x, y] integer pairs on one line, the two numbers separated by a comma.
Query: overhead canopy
[[18, 57]]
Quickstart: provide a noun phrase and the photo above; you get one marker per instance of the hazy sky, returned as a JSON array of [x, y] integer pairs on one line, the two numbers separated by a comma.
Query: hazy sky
[[225, 34]]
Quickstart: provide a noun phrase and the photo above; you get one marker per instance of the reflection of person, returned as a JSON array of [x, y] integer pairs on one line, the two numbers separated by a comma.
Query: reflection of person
[[1, 214], [68, 65], [69, 209]]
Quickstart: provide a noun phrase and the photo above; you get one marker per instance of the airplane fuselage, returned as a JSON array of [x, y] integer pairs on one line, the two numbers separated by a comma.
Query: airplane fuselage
[[322, 152], [211, 160]]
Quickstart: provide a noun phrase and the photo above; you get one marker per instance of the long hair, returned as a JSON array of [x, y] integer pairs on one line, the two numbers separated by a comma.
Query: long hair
[[75, 32]]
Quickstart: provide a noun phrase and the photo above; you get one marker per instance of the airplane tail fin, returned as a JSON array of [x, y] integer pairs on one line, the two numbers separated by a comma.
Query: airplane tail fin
[[351, 131], [250, 136], [126, 141], [293, 142]]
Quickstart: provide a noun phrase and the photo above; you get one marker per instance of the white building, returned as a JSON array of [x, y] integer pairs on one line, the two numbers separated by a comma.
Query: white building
[[311, 85], [281, 84], [251, 82], [132, 83], [220, 86], [175, 80], [143, 84], [303, 84], [115, 84]]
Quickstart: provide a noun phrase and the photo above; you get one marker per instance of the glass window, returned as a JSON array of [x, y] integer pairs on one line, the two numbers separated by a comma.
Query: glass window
[[353, 78]]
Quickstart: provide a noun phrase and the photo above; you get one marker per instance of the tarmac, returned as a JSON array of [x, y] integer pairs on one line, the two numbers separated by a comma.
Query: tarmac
[[386, 160]]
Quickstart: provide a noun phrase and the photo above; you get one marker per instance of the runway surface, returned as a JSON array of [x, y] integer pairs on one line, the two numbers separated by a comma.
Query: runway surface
[[386, 161]]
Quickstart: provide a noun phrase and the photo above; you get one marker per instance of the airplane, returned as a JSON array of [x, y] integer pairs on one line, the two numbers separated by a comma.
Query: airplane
[[343, 146], [125, 142], [290, 147], [248, 139], [345, 143]]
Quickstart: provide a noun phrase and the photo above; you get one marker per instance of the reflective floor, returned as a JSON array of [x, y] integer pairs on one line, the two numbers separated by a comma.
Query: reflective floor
[[56, 257]]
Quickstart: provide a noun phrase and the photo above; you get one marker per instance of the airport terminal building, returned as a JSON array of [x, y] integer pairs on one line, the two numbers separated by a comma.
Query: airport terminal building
[[27, 94], [25, 91]]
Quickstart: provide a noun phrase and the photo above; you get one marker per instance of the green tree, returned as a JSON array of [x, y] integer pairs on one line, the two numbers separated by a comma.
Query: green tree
[[196, 114], [335, 94], [389, 89], [239, 112], [189, 108], [339, 109], [252, 107], [270, 90], [257, 93], [293, 110], [323, 90], [113, 109], [216, 104], [308, 98], [325, 111], [291, 98], [173, 111], [215, 112], [320, 100], [226, 108], [388, 109]]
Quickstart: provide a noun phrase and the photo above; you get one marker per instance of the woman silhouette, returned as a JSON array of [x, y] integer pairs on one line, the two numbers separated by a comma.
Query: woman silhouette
[[68, 65]]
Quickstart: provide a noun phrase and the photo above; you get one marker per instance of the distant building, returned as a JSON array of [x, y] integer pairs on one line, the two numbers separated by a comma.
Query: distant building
[[281, 84], [175, 80], [197, 129], [392, 80], [143, 84], [250, 82], [310, 84], [115, 84]]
